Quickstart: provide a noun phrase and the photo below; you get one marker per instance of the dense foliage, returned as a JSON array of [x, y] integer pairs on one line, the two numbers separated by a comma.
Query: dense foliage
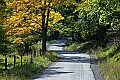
[[96, 17]]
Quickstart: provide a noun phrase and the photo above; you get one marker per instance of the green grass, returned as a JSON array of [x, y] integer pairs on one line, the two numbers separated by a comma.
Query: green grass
[[107, 53], [110, 69], [27, 70], [10, 61]]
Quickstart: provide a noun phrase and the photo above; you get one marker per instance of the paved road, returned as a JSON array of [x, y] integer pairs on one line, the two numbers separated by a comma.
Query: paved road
[[71, 65]]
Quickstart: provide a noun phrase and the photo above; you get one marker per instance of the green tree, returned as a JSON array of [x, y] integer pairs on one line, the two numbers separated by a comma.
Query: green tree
[[66, 27], [96, 16]]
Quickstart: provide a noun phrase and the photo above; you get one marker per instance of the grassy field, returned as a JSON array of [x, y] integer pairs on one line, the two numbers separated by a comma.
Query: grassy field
[[107, 53]]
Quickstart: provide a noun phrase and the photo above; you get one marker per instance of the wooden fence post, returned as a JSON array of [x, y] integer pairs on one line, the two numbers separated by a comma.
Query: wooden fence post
[[21, 59], [35, 54], [31, 56], [14, 60], [5, 62], [40, 51]]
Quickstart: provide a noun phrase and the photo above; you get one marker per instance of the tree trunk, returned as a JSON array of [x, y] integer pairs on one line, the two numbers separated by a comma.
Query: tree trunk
[[43, 42], [45, 25], [43, 29], [89, 33], [73, 38]]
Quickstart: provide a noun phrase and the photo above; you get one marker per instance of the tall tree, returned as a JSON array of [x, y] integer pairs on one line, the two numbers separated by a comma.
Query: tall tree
[[47, 7], [29, 16]]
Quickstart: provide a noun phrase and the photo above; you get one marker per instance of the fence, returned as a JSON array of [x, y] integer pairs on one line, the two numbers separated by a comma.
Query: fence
[[17, 59]]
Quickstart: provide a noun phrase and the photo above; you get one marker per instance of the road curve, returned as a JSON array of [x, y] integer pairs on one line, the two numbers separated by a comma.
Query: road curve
[[71, 66]]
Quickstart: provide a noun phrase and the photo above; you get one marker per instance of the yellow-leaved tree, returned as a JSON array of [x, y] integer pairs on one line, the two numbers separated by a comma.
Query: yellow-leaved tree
[[28, 16]]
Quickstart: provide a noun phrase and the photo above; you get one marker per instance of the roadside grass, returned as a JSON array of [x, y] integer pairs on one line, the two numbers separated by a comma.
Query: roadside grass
[[10, 61], [27, 70], [107, 54], [110, 69]]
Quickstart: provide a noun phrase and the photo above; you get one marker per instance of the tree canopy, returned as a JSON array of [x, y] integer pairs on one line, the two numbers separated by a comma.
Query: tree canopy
[[27, 20]]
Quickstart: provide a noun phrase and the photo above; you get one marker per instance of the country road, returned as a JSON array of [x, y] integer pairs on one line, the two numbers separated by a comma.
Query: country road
[[72, 65]]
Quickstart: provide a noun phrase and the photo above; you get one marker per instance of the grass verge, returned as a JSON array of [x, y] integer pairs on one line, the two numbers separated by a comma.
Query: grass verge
[[27, 70]]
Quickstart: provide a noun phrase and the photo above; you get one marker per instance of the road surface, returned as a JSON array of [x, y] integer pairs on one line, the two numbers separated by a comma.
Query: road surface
[[71, 66]]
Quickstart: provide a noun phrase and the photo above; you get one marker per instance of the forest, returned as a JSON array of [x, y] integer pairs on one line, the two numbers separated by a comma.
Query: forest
[[28, 26]]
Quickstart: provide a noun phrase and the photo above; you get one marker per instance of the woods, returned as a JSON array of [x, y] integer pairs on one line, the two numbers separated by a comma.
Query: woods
[[26, 25]]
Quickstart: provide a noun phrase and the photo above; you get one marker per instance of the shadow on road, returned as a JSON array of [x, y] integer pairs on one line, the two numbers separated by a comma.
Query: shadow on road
[[74, 59], [66, 58], [51, 71]]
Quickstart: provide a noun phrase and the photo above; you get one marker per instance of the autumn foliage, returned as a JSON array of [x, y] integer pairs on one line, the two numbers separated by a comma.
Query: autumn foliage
[[26, 17]]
